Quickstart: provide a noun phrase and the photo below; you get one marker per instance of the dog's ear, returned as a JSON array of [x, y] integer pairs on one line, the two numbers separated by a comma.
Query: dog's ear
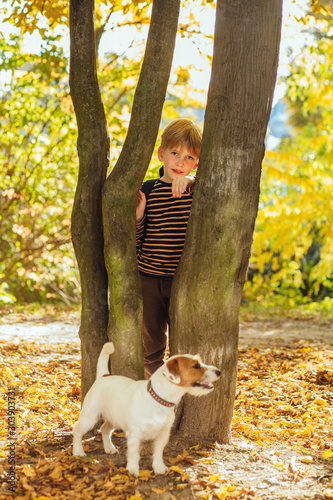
[[171, 371]]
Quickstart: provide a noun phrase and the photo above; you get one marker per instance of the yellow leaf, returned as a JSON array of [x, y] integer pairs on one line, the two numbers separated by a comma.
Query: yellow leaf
[[119, 434], [28, 470], [158, 490], [222, 493], [307, 460], [204, 453], [8, 374], [175, 468], [320, 401], [56, 474], [181, 486], [215, 477], [145, 473], [184, 456], [328, 454]]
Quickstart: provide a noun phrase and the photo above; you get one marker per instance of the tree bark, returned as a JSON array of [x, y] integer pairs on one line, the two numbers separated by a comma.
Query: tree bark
[[208, 284], [93, 149], [122, 186]]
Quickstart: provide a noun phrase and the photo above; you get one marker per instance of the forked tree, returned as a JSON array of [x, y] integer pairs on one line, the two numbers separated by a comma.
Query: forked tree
[[208, 284]]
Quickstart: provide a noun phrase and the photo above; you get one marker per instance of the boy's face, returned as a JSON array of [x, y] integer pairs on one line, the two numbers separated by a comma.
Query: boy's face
[[178, 161]]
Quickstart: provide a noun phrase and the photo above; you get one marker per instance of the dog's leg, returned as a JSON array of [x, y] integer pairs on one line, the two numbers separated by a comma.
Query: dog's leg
[[85, 423], [106, 431], [159, 445], [133, 454]]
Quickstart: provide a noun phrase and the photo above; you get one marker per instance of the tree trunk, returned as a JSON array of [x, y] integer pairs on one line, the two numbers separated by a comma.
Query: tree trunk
[[122, 186], [208, 284], [93, 149]]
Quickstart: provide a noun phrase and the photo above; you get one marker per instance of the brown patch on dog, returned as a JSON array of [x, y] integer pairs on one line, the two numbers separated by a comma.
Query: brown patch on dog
[[173, 367], [190, 369]]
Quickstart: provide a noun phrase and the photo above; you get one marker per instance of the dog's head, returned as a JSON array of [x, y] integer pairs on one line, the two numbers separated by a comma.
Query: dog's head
[[190, 372]]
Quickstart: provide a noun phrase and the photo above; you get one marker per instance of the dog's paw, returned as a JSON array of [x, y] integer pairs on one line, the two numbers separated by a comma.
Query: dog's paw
[[160, 468], [111, 450], [79, 453], [133, 470]]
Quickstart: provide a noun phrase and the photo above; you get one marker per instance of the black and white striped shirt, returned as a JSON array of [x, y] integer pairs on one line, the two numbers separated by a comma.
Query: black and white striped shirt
[[160, 236]]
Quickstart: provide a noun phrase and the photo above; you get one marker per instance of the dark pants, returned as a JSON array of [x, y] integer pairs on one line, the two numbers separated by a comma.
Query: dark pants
[[156, 297]]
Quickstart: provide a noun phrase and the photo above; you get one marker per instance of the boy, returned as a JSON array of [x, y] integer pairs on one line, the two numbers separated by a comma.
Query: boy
[[161, 223]]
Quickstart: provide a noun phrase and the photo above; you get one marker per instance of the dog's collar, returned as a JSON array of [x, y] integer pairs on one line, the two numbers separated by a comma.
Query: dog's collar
[[157, 398]]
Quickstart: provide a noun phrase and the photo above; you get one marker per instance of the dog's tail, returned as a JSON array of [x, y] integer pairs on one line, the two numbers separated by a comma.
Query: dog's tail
[[103, 360]]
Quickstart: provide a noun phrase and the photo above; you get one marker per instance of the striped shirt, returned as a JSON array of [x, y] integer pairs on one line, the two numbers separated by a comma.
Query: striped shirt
[[160, 236]]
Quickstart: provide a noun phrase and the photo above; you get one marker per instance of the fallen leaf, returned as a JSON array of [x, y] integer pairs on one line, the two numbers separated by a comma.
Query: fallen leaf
[[56, 474], [320, 401], [177, 469], [25, 484], [28, 470], [181, 486], [185, 456], [203, 453], [145, 473]]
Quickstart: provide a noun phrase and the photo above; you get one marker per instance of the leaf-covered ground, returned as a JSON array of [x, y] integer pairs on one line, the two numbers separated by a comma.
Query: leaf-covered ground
[[282, 430]]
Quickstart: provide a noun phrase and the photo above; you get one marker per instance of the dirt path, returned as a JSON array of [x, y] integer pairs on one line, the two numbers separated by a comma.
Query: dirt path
[[280, 331], [255, 333]]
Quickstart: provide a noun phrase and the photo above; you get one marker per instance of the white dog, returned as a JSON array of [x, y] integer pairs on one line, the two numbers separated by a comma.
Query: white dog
[[145, 410]]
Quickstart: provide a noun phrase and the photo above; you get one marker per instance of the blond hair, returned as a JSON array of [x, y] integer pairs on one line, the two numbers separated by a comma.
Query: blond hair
[[182, 132]]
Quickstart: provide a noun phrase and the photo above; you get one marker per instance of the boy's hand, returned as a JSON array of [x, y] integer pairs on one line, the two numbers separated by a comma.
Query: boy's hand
[[140, 207], [179, 185]]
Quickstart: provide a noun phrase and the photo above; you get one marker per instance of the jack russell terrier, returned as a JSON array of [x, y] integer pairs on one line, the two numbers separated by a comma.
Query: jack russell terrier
[[144, 409]]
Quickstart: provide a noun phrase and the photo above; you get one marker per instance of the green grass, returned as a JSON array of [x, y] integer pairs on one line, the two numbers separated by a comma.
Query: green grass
[[34, 311], [320, 312]]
